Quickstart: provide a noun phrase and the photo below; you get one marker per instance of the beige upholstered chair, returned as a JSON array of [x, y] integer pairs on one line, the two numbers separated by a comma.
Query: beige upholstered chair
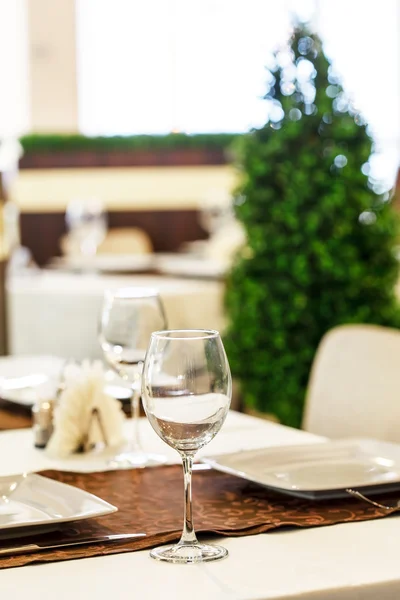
[[126, 240], [354, 387], [121, 240]]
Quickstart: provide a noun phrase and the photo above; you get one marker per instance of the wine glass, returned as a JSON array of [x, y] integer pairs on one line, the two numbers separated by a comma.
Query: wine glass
[[128, 317], [186, 393], [86, 222]]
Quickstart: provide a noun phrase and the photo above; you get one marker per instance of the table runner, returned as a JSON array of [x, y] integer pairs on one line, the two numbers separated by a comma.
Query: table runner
[[151, 501], [13, 416]]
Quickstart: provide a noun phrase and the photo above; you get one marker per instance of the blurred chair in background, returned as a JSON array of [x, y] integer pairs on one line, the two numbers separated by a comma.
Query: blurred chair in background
[[121, 240], [126, 240], [354, 387], [88, 234]]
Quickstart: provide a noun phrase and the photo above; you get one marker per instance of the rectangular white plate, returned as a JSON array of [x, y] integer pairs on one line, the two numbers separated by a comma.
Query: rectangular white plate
[[114, 263], [317, 471], [190, 266], [23, 379], [31, 500]]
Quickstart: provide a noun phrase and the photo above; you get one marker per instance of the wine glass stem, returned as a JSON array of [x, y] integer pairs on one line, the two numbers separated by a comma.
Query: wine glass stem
[[188, 535], [135, 404]]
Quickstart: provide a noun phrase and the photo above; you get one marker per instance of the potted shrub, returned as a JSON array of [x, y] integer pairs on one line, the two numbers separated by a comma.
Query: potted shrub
[[321, 241]]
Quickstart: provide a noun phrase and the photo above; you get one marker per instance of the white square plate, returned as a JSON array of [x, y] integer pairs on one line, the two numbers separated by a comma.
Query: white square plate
[[30, 500], [186, 265], [23, 379], [318, 471], [105, 263]]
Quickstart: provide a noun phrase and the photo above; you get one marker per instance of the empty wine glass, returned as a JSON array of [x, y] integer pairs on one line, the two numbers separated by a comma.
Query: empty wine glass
[[86, 222], [128, 317], [186, 393]]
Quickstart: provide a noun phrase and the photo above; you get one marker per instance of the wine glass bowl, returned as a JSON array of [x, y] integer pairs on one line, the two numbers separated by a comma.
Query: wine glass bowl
[[128, 317], [86, 221], [186, 395]]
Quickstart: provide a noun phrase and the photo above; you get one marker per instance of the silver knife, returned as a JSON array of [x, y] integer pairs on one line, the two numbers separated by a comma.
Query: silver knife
[[29, 548]]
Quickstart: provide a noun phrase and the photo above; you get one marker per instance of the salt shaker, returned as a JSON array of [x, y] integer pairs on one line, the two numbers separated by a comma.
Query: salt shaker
[[42, 413]]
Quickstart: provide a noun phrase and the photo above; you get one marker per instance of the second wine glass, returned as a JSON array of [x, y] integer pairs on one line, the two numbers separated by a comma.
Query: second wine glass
[[128, 318]]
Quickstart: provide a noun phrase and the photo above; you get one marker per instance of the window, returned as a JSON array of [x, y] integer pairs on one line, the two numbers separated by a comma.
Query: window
[[362, 39], [165, 65], [199, 65]]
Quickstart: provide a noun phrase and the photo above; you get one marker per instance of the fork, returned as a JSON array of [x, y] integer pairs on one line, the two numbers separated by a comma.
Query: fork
[[360, 496]]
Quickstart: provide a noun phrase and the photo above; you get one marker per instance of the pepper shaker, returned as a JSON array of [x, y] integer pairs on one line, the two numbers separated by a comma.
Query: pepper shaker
[[42, 413]]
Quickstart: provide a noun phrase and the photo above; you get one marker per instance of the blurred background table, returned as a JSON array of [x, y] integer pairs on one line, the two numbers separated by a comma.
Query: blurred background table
[[57, 313]]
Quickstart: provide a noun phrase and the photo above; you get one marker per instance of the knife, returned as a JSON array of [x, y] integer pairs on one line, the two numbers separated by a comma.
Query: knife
[[29, 548]]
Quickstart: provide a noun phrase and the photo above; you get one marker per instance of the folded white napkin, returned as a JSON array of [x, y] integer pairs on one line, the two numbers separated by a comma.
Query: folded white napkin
[[75, 423]]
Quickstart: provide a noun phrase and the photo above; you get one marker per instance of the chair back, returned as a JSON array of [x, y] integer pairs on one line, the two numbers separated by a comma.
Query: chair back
[[354, 386], [126, 240], [119, 240]]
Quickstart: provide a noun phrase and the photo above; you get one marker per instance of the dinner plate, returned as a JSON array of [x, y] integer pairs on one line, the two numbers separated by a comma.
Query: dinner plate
[[318, 471], [30, 500], [106, 263], [22, 378], [190, 266]]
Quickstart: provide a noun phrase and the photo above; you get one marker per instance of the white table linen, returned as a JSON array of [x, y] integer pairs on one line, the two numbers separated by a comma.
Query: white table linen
[[52, 312], [346, 562]]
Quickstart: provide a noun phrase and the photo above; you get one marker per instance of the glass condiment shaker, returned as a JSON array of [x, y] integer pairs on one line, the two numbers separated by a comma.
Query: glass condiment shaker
[[42, 415]]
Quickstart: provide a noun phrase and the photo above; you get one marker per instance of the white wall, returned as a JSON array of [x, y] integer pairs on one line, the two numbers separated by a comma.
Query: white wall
[[14, 82], [52, 48], [38, 87], [147, 188]]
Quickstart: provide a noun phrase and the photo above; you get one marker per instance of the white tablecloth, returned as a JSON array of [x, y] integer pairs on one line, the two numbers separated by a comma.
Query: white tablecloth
[[57, 313], [346, 562]]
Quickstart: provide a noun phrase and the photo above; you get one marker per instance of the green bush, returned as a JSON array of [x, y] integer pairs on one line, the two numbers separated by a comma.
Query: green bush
[[320, 241]]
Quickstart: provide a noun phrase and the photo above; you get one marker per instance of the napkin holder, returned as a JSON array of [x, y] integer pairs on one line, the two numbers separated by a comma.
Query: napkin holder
[[86, 418], [86, 445]]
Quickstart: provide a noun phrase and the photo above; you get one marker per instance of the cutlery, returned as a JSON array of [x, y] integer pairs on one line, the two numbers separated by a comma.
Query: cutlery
[[360, 496], [93, 539]]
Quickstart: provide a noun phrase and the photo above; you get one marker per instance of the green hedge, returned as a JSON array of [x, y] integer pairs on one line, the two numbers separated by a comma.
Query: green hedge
[[66, 143]]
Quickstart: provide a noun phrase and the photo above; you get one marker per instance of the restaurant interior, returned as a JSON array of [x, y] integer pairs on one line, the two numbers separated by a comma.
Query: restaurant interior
[[200, 279]]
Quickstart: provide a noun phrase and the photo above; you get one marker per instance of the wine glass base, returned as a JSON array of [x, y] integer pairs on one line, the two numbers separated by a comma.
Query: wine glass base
[[185, 553], [136, 460]]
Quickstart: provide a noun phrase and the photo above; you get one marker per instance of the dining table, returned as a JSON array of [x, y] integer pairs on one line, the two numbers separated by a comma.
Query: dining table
[[57, 312], [353, 560]]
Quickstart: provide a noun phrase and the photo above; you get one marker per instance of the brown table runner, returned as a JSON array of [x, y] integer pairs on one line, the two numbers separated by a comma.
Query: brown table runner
[[14, 416], [151, 501]]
